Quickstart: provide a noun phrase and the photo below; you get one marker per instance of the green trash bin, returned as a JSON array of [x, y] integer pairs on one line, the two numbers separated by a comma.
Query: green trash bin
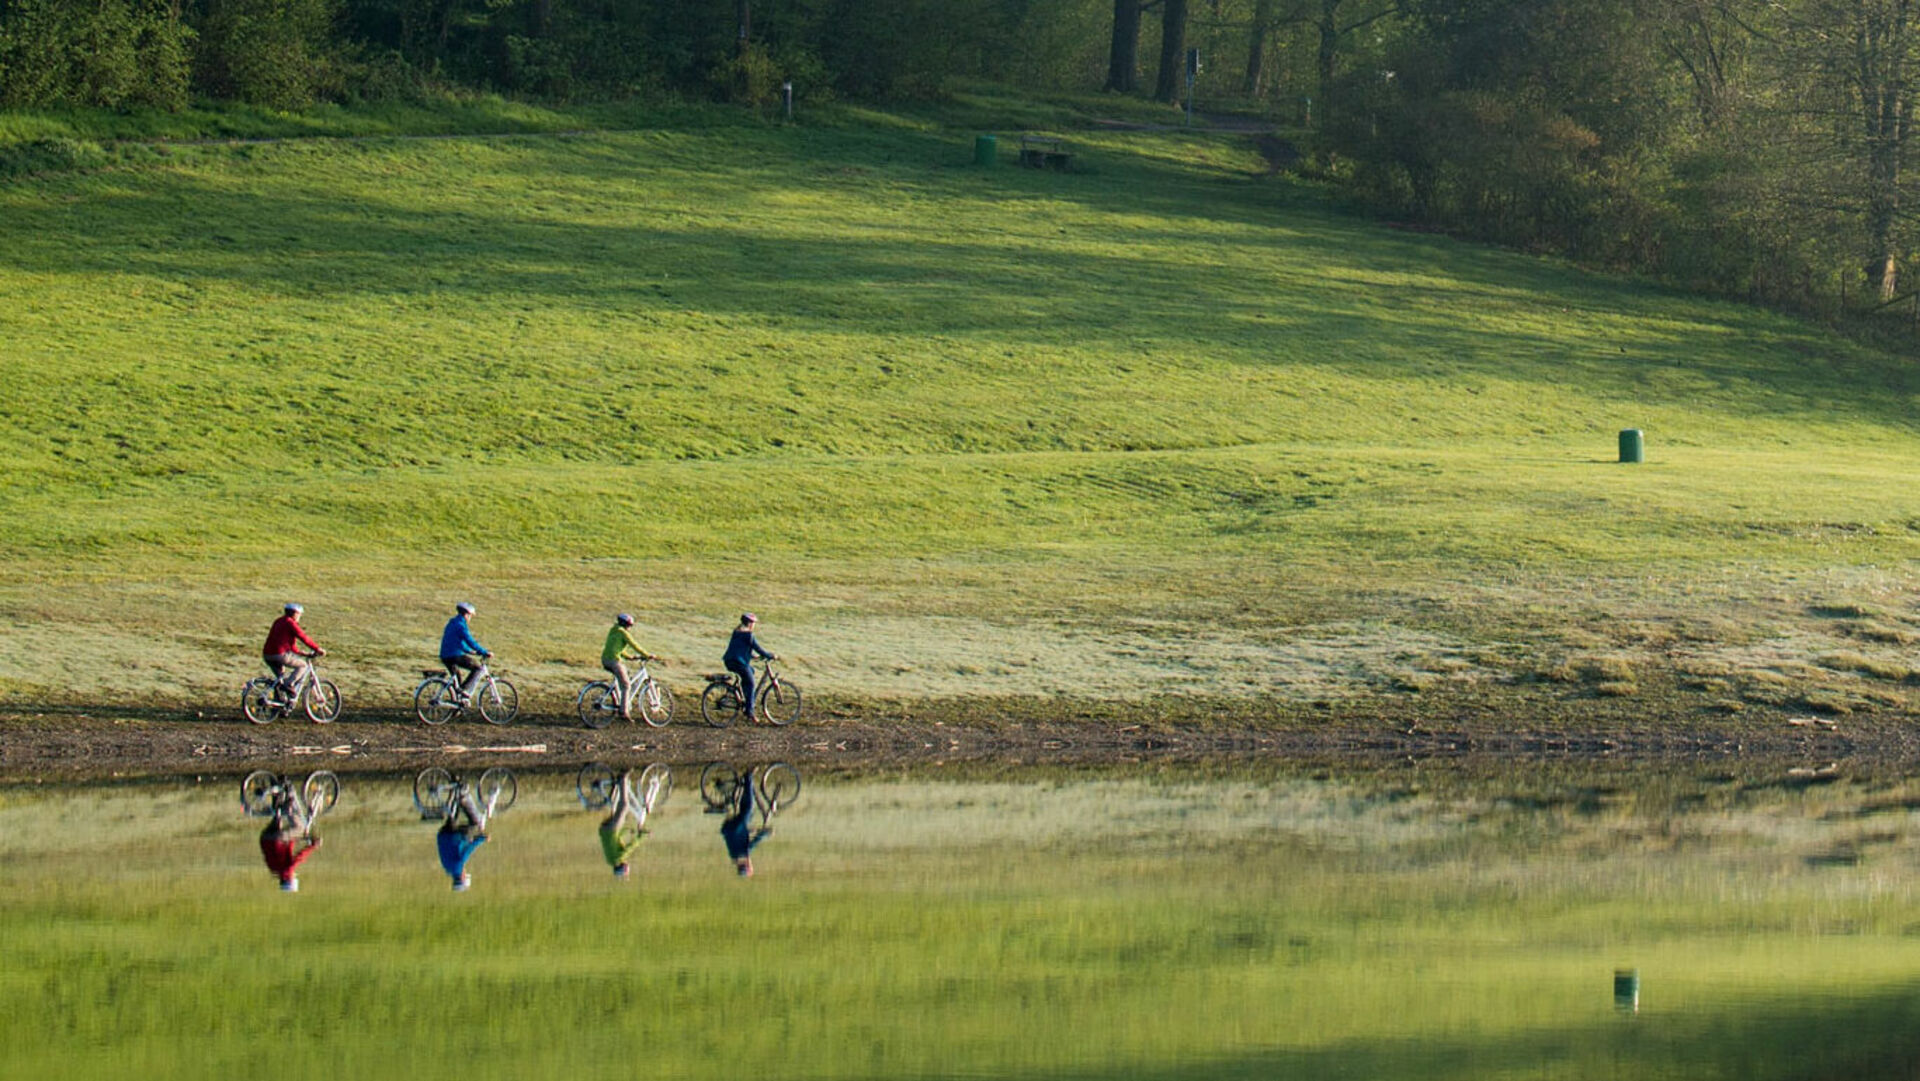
[[1633, 446], [986, 150]]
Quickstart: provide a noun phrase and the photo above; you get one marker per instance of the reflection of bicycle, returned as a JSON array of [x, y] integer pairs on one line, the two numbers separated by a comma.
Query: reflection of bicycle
[[262, 702], [598, 784], [438, 699], [265, 793], [774, 787], [600, 700], [437, 792], [778, 701]]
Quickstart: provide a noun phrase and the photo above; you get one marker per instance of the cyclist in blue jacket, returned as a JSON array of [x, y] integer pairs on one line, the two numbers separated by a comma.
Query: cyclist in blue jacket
[[460, 651], [741, 649]]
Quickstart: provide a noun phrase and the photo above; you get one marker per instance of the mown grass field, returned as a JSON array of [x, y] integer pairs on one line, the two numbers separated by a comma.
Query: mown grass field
[[1165, 424], [1097, 926]]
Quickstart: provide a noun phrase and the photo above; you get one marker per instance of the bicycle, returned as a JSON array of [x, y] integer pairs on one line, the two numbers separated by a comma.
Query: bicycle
[[778, 700], [600, 701], [438, 699], [598, 784], [437, 792], [261, 703], [774, 786], [264, 793]]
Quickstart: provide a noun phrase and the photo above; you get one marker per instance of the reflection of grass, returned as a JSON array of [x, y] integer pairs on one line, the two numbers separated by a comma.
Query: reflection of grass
[[830, 369], [1109, 928]]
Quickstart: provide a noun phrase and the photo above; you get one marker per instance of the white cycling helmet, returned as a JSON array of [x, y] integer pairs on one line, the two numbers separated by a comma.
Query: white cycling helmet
[[463, 608], [290, 885], [623, 619], [294, 609]]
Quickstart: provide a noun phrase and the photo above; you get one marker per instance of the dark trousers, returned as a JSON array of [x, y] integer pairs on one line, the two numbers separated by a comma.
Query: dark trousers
[[745, 672], [455, 665]]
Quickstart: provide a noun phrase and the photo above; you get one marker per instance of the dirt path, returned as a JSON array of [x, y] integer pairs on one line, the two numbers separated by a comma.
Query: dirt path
[[53, 743]]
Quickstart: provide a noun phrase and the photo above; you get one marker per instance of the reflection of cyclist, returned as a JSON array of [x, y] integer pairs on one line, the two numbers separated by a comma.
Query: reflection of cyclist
[[459, 651], [621, 831], [287, 841], [741, 649], [281, 652], [464, 830], [736, 829], [620, 648]]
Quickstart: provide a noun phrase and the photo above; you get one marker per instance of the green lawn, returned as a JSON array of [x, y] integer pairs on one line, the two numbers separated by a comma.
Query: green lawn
[[1163, 424]]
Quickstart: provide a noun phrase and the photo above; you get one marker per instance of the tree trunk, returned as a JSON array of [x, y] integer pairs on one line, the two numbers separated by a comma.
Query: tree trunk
[[1328, 24], [1123, 57], [1257, 36], [1882, 38], [1173, 50], [542, 18], [743, 19]]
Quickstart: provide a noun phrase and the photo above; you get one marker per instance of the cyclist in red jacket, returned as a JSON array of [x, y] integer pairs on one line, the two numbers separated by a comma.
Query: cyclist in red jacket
[[281, 652]]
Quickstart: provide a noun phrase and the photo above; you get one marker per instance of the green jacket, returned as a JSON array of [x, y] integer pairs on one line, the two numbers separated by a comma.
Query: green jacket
[[619, 844], [620, 646]]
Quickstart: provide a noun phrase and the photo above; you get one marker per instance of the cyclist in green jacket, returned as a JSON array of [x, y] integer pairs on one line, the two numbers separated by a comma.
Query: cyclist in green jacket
[[619, 649]]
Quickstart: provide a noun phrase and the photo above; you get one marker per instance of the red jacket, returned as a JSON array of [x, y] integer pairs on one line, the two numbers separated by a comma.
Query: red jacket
[[283, 634], [284, 851]]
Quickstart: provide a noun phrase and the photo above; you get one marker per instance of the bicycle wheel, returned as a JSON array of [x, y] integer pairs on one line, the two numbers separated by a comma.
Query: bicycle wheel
[[596, 705], [595, 785], [254, 701], [323, 702], [322, 792], [718, 703], [780, 703], [434, 702], [779, 784], [256, 792], [433, 792], [656, 784], [497, 789], [499, 702], [654, 702], [717, 781]]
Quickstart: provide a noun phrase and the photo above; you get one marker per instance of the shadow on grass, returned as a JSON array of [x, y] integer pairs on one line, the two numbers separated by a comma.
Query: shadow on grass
[[1003, 258]]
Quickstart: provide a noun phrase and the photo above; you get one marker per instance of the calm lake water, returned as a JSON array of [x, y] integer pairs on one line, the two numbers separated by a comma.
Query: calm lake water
[[1257, 921]]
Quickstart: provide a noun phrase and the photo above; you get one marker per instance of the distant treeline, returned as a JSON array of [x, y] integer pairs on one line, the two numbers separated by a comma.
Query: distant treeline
[[1753, 147], [292, 53]]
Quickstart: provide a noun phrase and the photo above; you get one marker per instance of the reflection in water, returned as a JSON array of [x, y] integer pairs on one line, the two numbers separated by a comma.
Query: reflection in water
[[632, 801], [735, 792], [465, 811], [1157, 923], [291, 810]]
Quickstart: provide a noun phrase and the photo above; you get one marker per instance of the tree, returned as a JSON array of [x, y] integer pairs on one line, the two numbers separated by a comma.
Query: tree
[[1861, 58], [1173, 49], [1258, 31], [1123, 56]]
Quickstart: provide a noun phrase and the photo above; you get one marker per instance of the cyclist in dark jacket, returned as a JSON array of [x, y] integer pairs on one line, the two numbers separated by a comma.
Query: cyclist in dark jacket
[[741, 649]]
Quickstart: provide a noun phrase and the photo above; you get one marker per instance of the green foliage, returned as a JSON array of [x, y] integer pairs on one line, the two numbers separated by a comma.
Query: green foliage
[[115, 54], [276, 53]]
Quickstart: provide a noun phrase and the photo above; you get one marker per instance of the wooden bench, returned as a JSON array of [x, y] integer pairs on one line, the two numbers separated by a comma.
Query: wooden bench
[[1044, 152]]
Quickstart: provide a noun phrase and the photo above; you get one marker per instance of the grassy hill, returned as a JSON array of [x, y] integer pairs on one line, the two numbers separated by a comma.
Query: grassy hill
[[1163, 425]]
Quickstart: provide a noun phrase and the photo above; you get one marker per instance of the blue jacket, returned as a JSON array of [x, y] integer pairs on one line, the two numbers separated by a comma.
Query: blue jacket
[[456, 848], [740, 650], [457, 640]]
